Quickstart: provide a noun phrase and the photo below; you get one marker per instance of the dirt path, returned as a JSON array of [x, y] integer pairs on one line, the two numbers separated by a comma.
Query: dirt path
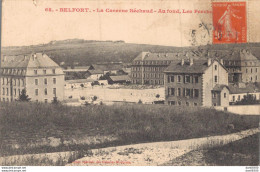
[[144, 154], [155, 153]]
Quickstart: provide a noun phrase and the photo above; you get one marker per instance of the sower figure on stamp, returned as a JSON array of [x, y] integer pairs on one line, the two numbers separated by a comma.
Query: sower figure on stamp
[[225, 28]]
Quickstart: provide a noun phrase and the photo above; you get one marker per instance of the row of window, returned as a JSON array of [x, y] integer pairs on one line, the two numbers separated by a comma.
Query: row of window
[[13, 71], [180, 103], [44, 71], [15, 92], [185, 92], [36, 81], [152, 82], [149, 82], [251, 63], [148, 68], [215, 94], [251, 70], [45, 91], [18, 82], [18, 92], [251, 79], [148, 75], [7, 99], [184, 79], [153, 62], [246, 63], [22, 71]]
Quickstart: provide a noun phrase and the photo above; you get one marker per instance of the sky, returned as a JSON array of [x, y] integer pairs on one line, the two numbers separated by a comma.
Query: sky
[[25, 22]]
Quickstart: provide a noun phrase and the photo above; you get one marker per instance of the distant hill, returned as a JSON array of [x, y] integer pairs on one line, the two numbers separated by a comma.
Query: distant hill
[[86, 52]]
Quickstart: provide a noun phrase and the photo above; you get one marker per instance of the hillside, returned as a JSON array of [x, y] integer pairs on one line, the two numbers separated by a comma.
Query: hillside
[[90, 51]]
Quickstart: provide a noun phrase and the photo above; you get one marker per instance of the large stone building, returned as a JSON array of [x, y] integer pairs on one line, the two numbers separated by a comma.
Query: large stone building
[[40, 76], [147, 68], [242, 65], [244, 68], [196, 83]]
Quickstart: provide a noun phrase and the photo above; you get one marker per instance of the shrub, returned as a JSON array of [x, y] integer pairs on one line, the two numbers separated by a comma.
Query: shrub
[[24, 97], [248, 99]]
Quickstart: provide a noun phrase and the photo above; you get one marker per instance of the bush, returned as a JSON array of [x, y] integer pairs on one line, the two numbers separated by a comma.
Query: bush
[[24, 97], [248, 99]]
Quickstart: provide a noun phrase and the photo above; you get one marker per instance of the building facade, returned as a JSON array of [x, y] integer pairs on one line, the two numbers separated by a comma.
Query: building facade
[[196, 83], [40, 76], [148, 68], [242, 65], [238, 91]]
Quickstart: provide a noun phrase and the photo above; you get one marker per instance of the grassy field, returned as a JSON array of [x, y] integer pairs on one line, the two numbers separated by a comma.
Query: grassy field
[[244, 152], [22, 125]]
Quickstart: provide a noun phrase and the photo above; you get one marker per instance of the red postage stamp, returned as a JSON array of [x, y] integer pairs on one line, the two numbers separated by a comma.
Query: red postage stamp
[[229, 21]]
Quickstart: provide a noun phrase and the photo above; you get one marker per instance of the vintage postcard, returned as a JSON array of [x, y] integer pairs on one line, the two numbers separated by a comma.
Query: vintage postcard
[[130, 83]]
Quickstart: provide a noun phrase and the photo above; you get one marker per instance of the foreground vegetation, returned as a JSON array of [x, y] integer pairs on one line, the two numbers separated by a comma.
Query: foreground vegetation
[[244, 152], [24, 124]]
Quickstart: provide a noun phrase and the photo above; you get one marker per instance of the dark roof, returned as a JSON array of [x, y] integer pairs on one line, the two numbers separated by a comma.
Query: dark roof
[[166, 56], [37, 60], [235, 54], [120, 78], [127, 70], [248, 88], [199, 66], [219, 87]]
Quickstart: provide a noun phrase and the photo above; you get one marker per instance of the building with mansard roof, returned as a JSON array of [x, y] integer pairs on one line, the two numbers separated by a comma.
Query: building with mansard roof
[[147, 67], [38, 74], [241, 64]]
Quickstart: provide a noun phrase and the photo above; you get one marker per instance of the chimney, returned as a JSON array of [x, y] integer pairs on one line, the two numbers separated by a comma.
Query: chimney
[[143, 55], [209, 61], [182, 62], [34, 56], [191, 61], [221, 61]]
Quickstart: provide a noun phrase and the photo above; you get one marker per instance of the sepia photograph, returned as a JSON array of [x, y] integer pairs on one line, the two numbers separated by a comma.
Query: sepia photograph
[[129, 83]]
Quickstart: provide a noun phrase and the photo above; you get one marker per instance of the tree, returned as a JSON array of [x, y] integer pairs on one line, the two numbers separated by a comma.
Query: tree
[[157, 96], [23, 97], [86, 103], [55, 100], [94, 98], [248, 99]]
